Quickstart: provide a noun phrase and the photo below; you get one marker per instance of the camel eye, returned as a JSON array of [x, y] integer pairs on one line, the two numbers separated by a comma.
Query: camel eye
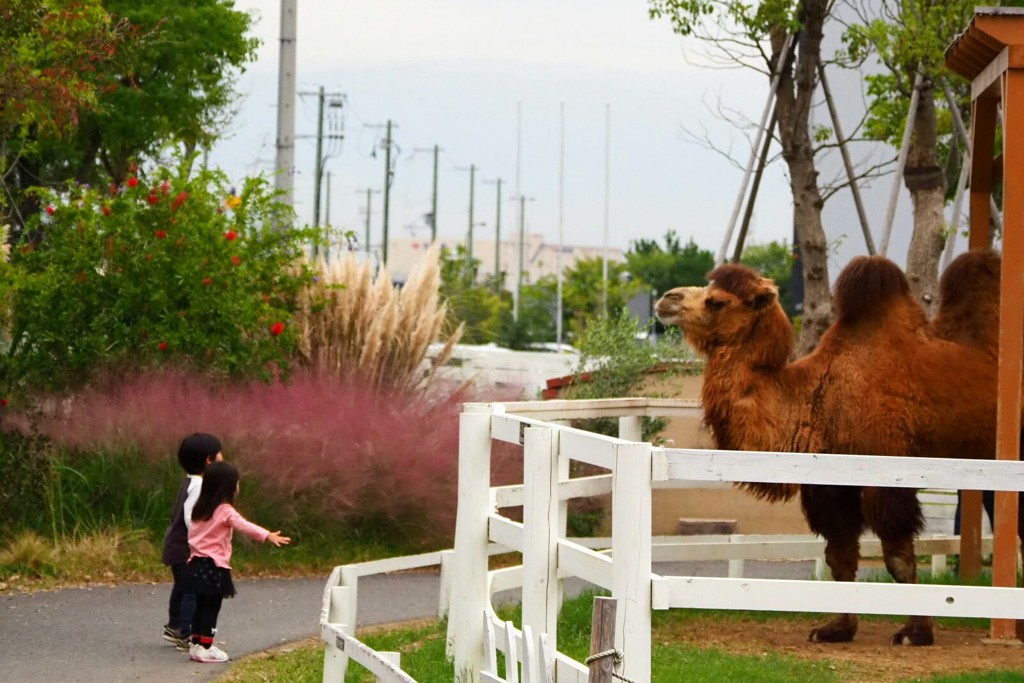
[[714, 304]]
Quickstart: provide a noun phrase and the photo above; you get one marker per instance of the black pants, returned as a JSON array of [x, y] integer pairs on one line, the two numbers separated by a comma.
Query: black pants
[[205, 620], [182, 604]]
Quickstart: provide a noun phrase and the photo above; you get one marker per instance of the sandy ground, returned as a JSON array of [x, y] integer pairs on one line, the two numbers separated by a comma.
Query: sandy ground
[[868, 659]]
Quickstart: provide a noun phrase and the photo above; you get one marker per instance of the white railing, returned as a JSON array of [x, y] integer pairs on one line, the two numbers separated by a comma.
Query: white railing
[[549, 556]]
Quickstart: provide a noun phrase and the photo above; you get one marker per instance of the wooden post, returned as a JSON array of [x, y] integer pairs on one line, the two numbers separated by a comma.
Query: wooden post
[[1011, 335], [983, 133], [631, 552], [602, 639], [465, 641], [540, 527]]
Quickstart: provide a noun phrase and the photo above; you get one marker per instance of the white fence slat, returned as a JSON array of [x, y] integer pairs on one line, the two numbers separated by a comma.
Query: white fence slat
[[848, 470], [486, 677], [490, 645], [359, 652], [575, 560], [529, 656], [547, 660], [506, 578], [506, 532], [511, 654], [837, 596], [588, 447], [568, 670]]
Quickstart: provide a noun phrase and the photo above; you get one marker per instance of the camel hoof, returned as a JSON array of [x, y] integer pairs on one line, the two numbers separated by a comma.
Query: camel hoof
[[830, 634], [913, 637]]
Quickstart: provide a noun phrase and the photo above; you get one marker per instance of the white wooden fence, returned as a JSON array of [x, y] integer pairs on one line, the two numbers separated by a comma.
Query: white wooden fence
[[622, 564], [549, 556]]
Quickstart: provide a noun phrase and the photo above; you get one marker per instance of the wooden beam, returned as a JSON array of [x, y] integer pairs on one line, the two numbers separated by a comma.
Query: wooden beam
[[983, 136], [988, 81]]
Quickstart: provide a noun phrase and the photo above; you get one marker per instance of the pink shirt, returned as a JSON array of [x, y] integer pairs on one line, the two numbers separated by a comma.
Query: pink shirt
[[212, 537]]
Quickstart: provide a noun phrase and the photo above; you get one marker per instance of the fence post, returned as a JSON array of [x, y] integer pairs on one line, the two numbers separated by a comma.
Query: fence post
[[631, 557], [540, 531], [465, 641], [602, 639]]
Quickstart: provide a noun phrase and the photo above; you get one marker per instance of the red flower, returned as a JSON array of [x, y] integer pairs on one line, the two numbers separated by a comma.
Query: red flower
[[152, 199], [105, 211], [277, 329], [207, 281], [236, 259], [161, 234], [230, 235], [3, 402], [133, 181], [50, 210], [163, 346], [165, 187], [179, 200]]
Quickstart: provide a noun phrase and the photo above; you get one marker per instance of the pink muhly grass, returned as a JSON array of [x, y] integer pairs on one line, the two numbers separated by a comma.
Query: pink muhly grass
[[352, 452]]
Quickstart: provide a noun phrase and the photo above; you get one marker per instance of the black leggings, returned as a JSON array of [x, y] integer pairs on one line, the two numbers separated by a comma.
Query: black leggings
[[205, 619]]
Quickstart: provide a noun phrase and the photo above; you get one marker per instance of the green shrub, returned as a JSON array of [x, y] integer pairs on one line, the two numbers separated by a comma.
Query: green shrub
[[170, 269]]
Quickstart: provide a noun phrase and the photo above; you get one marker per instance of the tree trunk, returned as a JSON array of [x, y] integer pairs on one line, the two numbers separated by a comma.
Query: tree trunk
[[926, 182], [793, 108]]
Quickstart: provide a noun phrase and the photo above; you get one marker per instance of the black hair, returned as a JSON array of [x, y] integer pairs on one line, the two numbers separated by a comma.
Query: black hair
[[196, 449], [220, 481]]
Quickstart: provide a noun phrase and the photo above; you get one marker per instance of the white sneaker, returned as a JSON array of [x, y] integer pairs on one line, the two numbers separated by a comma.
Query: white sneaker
[[207, 655]]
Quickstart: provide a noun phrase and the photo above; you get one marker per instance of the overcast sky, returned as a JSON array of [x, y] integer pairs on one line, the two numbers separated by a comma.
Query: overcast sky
[[453, 72]]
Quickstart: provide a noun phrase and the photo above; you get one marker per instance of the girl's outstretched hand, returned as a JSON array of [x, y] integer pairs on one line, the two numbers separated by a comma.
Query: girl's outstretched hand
[[277, 539]]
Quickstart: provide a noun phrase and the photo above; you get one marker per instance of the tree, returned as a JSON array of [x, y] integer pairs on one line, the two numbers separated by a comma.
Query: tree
[[475, 304], [54, 69], [760, 33], [909, 37], [774, 260], [672, 266], [173, 88], [583, 292]]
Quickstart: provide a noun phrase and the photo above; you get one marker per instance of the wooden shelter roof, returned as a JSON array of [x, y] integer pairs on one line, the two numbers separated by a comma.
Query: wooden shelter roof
[[992, 30]]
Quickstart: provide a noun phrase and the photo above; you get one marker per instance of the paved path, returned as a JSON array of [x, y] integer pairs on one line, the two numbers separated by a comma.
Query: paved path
[[112, 634]]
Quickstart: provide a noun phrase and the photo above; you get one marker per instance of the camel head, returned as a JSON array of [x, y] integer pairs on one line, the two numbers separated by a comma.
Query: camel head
[[737, 308]]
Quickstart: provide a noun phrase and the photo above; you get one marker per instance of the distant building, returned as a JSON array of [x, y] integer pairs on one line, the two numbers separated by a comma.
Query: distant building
[[540, 258]]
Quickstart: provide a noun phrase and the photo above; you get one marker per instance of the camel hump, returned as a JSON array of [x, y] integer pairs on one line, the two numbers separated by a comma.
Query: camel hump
[[969, 299], [865, 287]]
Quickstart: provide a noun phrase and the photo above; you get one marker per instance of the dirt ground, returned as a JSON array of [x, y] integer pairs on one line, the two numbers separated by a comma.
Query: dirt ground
[[868, 659]]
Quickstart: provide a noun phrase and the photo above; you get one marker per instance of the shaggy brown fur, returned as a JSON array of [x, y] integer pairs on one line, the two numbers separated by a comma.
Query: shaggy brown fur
[[883, 380]]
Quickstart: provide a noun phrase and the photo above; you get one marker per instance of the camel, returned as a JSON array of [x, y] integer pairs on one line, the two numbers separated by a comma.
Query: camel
[[883, 380]]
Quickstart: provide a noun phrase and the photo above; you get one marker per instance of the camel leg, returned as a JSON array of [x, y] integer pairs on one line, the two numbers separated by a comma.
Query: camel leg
[[895, 515], [833, 512]]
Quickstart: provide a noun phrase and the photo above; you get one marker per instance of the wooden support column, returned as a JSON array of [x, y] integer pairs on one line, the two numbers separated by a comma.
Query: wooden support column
[[1011, 334]]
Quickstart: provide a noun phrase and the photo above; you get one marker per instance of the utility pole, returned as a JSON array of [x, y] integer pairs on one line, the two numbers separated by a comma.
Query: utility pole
[[388, 175], [327, 217], [469, 234], [433, 200], [369, 194], [284, 179], [334, 100], [497, 236], [522, 255]]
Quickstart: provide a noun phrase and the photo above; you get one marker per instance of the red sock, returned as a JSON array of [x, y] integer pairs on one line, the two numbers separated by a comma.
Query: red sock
[[206, 641]]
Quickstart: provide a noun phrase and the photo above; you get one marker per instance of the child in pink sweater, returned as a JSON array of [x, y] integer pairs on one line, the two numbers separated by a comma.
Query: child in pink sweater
[[214, 520]]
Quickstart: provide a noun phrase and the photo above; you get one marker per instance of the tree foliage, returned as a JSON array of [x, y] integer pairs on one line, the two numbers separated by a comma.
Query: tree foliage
[[673, 265], [117, 81]]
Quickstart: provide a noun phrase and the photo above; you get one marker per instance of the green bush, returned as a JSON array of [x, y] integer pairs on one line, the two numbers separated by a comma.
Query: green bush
[[170, 269]]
